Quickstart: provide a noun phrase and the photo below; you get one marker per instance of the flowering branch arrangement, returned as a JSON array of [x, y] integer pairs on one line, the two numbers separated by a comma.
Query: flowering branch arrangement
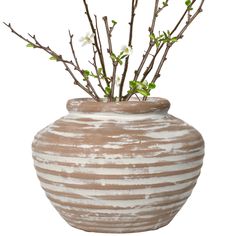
[[140, 86]]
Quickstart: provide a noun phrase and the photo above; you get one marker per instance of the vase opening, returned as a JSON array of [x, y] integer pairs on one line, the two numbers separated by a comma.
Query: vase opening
[[134, 106]]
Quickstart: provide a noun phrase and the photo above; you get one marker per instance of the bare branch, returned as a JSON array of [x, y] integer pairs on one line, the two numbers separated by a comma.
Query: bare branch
[[133, 9], [151, 64], [180, 35], [37, 44], [109, 35], [96, 43], [89, 85], [96, 69], [110, 51], [157, 10]]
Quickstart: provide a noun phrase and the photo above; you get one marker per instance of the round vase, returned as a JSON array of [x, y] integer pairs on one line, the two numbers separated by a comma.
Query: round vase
[[118, 167]]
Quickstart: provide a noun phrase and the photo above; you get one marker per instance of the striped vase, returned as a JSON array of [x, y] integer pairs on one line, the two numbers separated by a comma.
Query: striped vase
[[118, 167]]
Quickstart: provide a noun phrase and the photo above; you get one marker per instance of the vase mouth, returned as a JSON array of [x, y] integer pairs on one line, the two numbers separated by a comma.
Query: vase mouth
[[133, 106]]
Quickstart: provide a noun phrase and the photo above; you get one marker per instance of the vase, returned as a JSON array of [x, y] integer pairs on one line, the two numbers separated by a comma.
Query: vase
[[118, 167]]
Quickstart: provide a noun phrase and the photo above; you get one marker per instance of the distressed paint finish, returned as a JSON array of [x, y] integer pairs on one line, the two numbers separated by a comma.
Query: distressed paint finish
[[118, 167]]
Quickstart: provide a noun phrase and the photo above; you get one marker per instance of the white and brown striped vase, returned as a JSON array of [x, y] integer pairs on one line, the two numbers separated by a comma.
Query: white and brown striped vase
[[118, 167]]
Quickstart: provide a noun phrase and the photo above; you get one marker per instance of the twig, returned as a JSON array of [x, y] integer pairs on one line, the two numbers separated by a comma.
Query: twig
[[133, 9], [96, 69], [35, 43], [110, 51], [151, 64], [96, 43], [137, 72], [109, 35], [180, 35], [89, 85]]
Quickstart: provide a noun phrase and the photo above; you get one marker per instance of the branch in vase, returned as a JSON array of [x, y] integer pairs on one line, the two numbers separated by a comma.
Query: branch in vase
[[96, 40], [98, 74], [179, 36], [89, 85], [110, 51], [151, 64], [157, 10], [133, 9], [54, 56]]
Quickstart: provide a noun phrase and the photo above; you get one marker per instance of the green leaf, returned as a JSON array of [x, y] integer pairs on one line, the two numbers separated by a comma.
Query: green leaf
[[30, 45], [53, 58], [143, 92], [86, 73], [108, 91], [132, 84], [120, 61], [114, 22], [99, 71], [174, 39], [165, 3], [188, 3], [152, 36], [151, 86], [113, 57]]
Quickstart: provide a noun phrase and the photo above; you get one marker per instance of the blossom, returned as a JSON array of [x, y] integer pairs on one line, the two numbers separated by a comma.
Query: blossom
[[87, 39], [127, 50]]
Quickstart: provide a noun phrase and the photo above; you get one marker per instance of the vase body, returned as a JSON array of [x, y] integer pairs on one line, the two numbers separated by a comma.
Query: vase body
[[118, 168]]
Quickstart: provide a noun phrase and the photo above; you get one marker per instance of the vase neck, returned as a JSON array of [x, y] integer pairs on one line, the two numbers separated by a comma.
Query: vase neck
[[134, 106]]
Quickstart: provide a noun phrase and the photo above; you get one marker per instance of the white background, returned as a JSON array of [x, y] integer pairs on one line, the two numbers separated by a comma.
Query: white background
[[198, 79]]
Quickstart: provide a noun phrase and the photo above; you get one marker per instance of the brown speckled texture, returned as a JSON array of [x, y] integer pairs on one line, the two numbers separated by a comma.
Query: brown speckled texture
[[118, 168]]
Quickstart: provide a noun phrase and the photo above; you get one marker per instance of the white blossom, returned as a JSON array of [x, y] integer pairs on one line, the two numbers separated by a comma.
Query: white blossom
[[87, 39], [127, 50]]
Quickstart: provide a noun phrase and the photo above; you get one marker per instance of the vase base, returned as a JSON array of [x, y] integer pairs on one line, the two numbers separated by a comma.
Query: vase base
[[116, 230]]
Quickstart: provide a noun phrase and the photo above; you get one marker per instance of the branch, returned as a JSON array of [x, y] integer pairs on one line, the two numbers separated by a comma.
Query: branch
[[157, 10], [96, 43], [180, 35], [133, 9], [35, 43], [94, 64], [89, 85], [110, 51], [150, 66]]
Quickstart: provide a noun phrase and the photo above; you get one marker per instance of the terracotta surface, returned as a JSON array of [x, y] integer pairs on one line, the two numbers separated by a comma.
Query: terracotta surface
[[115, 168]]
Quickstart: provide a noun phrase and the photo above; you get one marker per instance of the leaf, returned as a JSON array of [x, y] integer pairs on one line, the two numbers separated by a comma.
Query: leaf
[[114, 22], [188, 3], [30, 45], [152, 36], [132, 84], [165, 3], [86, 73], [113, 57], [119, 61], [53, 58], [99, 71], [151, 86], [108, 90], [143, 92], [124, 56], [174, 39]]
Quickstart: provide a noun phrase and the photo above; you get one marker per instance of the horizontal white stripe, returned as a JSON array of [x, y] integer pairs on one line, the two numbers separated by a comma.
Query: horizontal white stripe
[[118, 171], [146, 209], [131, 160], [91, 193], [112, 203], [153, 180], [106, 116]]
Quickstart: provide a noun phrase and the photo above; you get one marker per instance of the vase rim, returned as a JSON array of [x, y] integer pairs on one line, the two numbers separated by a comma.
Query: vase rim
[[133, 106]]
